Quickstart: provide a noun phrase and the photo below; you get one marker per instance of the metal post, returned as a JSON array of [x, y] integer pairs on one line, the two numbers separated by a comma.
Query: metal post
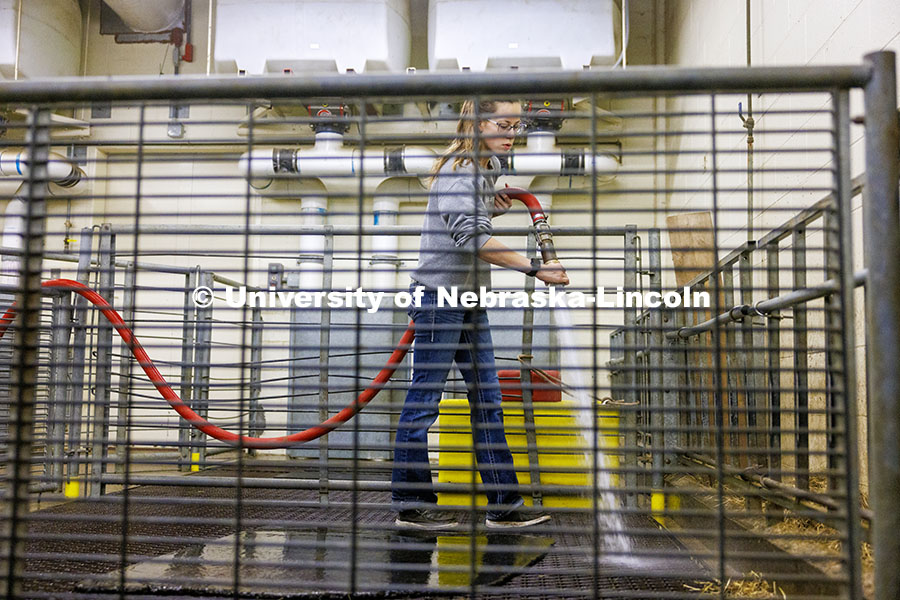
[[773, 387], [882, 247], [60, 320], [732, 379], [671, 370], [842, 416], [188, 333], [126, 362], [79, 355], [102, 389], [257, 421], [534, 469], [656, 404], [13, 527], [324, 347], [202, 357], [629, 369], [801, 374], [751, 341]]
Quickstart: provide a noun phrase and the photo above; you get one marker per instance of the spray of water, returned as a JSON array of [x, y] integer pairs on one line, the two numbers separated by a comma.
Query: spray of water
[[610, 521]]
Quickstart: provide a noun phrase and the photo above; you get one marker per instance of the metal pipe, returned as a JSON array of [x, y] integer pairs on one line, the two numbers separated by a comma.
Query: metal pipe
[[339, 230], [18, 38], [767, 306], [791, 492], [881, 218], [650, 79], [842, 417], [209, 37], [100, 433]]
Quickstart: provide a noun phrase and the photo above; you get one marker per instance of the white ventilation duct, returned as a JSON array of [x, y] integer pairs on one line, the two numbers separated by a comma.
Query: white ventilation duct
[[49, 38], [16, 164], [149, 17], [13, 237]]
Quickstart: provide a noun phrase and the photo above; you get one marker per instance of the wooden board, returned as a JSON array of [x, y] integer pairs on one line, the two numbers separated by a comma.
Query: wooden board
[[691, 243]]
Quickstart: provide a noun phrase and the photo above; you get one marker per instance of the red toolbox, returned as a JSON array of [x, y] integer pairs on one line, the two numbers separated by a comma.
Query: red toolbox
[[541, 389]]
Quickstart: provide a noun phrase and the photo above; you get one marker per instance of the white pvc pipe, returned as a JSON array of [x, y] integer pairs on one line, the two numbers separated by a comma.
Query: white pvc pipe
[[313, 212], [149, 17], [418, 160], [330, 158], [385, 247], [543, 157], [13, 237], [60, 170]]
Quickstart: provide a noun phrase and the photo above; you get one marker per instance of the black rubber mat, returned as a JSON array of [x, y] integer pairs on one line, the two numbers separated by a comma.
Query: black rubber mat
[[69, 545]]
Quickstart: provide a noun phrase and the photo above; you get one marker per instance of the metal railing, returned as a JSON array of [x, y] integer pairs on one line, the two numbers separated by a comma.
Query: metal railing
[[682, 449]]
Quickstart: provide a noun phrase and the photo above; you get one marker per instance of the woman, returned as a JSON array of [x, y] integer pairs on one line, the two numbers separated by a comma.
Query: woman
[[456, 249]]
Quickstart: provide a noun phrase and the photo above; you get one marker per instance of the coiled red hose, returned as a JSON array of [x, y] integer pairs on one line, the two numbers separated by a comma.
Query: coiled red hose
[[246, 441]]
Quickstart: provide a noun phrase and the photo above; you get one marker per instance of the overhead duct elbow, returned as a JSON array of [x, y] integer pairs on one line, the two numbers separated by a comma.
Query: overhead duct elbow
[[61, 171], [149, 17]]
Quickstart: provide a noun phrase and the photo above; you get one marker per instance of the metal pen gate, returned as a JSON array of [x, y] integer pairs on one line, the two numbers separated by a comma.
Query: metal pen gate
[[681, 448]]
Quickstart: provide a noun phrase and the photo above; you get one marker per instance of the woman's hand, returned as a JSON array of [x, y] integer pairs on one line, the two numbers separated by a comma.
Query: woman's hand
[[553, 274], [502, 204]]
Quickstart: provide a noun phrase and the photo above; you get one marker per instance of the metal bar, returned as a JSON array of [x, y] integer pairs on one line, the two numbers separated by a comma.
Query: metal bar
[[188, 332], [842, 415], [773, 341], [339, 230], [79, 351], [788, 491], [833, 333], [324, 346], [723, 263], [881, 239], [103, 386], [760, 79], [706, 418], [126, 364], [629, 418], [257, 421], [793, 298], [808, 215], [656, 373], [732, 383], [751, 365], [60, 319], [201, 383], [534, 467], [24, 372], [801, 363]]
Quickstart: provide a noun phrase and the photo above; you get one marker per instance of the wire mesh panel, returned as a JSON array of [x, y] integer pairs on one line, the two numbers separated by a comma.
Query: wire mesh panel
[[306, 347]]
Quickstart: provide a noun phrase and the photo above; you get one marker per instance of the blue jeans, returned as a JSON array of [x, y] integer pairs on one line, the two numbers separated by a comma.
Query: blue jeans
[[444, 335]]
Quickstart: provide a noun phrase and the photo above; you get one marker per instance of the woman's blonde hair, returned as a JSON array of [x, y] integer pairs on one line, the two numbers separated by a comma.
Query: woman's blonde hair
[[462, 149]]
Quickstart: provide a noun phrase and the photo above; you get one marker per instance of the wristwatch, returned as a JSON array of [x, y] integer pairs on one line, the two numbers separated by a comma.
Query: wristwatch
[[536, 265]]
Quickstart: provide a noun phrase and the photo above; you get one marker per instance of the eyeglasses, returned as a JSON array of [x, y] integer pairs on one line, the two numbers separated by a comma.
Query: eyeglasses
[[517, 129]]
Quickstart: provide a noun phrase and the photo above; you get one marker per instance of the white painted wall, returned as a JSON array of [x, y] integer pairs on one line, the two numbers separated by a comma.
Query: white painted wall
[[783, 32]]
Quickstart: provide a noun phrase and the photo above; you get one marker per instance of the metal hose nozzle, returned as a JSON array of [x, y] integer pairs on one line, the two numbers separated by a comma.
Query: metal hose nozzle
[[542, 228]]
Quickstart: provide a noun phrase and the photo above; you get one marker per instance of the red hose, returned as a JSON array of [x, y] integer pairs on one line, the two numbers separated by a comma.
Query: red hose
[[246, 441], [185, 411], [529, 200]]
